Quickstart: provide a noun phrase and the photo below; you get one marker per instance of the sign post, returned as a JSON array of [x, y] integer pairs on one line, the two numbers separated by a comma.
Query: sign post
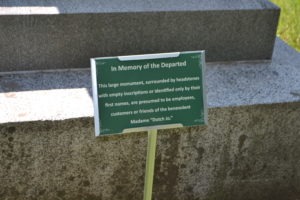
[[147, 93], [150, 162]]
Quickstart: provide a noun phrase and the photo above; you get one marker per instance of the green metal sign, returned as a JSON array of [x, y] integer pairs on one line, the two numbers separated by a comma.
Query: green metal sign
[[151, 91]]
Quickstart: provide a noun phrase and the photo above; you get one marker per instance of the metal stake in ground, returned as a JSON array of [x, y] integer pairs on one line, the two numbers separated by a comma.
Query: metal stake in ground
[[152, 136]]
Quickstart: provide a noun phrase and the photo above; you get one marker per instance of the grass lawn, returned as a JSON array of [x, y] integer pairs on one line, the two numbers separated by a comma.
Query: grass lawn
[[289, 24]]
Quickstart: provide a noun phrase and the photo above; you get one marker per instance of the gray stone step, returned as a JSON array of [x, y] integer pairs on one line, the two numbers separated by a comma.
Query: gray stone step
[[51, 34], [57, 94]]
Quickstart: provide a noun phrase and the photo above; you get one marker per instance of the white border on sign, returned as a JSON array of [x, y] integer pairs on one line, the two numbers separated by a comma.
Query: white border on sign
[[95, 97], [149, 56]]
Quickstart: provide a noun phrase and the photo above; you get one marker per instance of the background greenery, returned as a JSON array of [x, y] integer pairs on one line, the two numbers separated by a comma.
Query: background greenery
[[289, 24]]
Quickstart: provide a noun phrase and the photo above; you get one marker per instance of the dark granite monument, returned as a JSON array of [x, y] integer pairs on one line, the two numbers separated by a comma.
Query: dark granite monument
[[65, 34]]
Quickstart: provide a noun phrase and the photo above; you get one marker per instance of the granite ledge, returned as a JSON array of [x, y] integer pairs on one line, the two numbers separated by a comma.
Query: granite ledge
[[66, 94], [43, 7]]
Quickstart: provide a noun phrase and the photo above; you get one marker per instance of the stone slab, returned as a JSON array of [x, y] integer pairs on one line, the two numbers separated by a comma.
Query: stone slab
[[249, 150], [246, 152], [58, 95], [28, 7], [66, 34]]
